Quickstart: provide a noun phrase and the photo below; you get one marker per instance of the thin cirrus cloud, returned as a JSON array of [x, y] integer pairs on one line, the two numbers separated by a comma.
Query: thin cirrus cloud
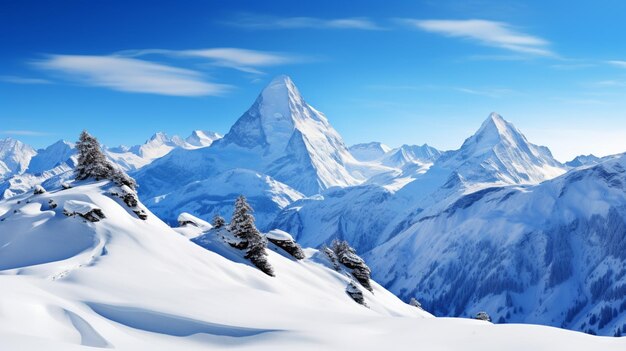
[[23, 80], [270, 22], [244, 60], [489, 33], [130, 75]]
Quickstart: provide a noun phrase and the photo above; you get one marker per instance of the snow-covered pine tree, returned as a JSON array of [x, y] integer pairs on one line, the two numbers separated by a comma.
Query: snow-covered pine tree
[[91, 160], [218, 221], [348, 257], [92, 163], [242, 226]]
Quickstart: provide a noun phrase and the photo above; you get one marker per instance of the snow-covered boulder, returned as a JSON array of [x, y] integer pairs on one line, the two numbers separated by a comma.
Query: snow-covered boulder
[[83, 209], [39, 190], [129, 196], [191, 226], [285, 241]]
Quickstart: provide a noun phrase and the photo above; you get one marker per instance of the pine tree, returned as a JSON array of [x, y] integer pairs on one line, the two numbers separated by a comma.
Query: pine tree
[[92, 163], [242, 226], [218, 221], [91, 160]]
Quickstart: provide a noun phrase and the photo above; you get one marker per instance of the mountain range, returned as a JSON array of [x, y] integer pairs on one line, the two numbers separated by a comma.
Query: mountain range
[[497, 225]]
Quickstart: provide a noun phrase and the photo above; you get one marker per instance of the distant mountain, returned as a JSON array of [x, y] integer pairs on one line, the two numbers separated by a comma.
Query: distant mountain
[[55, 155], [410, 154], [14, 157], [369, 151], [583, 160], [202, 138]]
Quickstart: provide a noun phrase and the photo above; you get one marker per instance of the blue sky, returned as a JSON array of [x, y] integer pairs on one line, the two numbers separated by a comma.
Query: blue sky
[[396, 71]]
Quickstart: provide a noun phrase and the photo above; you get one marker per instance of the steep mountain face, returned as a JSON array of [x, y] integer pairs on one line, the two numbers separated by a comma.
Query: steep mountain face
[[286, 131], [367, 152], [280, 137], [551, 253], [55, 155], [202, 138], [14, 157], [68, 283]]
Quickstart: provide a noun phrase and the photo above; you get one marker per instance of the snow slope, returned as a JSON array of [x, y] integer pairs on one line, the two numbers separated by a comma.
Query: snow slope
[[129, 284]]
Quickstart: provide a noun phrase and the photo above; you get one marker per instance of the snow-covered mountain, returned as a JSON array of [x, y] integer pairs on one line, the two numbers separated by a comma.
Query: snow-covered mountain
[[280, 139], [410, 154], [297, 144], [583, 160], [131, 284], [496, 155], [552, 253], [14, 157], [202, 138], [367, 152]]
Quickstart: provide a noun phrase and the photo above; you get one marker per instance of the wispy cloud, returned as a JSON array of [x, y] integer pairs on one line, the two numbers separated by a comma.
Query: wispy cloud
[[24, 80], [23, 132], [130, 75], [271, 22], [618, 63], [241, 59], [490, 33]]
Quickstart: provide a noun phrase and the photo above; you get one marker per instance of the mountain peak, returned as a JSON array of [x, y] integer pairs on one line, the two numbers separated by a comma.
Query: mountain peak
[[277, 112], [158, 136]]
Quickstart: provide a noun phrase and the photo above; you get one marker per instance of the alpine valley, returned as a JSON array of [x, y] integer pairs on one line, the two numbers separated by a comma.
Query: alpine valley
[[498, 225]]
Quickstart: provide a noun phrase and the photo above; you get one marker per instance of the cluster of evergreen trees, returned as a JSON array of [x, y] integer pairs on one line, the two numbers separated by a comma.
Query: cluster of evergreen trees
[[92, 163]]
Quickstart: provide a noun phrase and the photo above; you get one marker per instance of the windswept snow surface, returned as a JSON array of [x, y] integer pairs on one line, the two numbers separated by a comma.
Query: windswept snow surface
[[129, 284]]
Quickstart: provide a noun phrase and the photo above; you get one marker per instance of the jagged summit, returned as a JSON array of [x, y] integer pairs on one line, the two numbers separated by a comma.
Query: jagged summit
[[202, 138], [270, 121]]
